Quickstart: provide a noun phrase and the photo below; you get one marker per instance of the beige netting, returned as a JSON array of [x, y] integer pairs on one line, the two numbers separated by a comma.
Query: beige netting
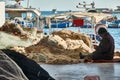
[[60, 47]]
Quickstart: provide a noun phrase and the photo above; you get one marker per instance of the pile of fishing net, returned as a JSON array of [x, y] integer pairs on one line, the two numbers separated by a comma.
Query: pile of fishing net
[[60, 47], [12, 34]]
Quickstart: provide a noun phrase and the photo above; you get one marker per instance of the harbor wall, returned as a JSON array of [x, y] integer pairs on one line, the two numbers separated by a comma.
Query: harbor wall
[[2, 13]]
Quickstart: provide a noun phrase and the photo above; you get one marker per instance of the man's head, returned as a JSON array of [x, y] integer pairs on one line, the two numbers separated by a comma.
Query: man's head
[[102, 31]]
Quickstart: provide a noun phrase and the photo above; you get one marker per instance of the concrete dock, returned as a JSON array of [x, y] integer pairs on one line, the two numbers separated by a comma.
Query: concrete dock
[[106, 71]]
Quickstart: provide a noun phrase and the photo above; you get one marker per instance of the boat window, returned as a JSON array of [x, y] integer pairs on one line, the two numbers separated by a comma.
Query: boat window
[[7, 16]]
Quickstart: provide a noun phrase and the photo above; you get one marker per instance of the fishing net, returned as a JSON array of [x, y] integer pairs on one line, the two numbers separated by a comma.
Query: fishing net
[[9, 70]]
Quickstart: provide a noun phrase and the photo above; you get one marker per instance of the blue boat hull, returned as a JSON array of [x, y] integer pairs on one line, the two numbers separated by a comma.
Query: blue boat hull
[[60, 25]]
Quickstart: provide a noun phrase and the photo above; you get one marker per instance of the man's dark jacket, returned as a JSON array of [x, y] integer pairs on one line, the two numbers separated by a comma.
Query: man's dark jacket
[[105, 50]]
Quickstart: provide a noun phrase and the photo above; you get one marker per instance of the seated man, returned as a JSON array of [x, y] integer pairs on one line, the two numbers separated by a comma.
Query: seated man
[[105, 50]]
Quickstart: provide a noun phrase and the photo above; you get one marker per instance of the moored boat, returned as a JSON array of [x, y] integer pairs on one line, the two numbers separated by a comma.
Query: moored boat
[[54, 11], [26, 17], [75, 17], [60, 24], [57, 21], [114, 24], [26, 14]]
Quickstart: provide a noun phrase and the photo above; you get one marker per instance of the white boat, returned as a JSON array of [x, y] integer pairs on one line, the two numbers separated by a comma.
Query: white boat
[[58, 21], [54, 11], [95, 19], [26, 17], [117, 10]]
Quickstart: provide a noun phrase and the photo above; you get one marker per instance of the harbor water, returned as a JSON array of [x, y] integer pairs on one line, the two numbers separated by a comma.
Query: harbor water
[[115, 32]]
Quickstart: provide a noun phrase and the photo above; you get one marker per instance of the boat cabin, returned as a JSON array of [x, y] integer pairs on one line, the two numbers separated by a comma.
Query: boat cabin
[[28, 17]]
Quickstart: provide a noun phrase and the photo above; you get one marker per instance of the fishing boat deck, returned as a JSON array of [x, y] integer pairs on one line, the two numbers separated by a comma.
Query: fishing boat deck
[[106, 71]]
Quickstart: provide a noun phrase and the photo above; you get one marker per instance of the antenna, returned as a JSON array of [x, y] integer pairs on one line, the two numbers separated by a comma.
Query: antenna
[[84, 5], [17, 1]]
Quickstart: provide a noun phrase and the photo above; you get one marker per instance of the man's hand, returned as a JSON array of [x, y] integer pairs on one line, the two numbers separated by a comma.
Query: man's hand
[[95, 47]]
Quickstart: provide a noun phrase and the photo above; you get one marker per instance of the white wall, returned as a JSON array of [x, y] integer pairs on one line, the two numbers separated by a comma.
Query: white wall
[[2, 13]]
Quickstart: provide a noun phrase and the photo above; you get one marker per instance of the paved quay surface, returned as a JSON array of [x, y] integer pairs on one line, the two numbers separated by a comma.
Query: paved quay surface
[[106, 71]]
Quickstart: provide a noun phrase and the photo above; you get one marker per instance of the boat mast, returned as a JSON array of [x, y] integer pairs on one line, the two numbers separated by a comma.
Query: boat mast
[[27, 3]]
